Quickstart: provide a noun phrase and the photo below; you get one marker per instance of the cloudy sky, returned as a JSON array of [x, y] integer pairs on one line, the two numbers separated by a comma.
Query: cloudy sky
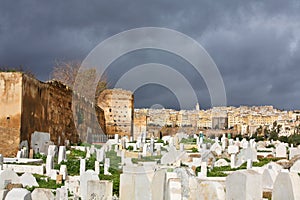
[[255, 44]]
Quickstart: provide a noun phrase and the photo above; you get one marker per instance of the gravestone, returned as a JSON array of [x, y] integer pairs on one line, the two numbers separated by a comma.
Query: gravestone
[[204, 169], [97, 167], [62, 193], [27, 179], [42, 194], [97, 189], [24, 148], [63, 171], [135, 182], [268, 178], [157, 184], [89, 175], [232, 161], [100, 154], [232, 149], [280, 151], [106, 166], [221, 163], [145, 150], [286, 186], [8, 176], [294, 152], [19, 155], [18, 194], [216, 149], [61, 154], [181, 147], [122, 157], [52, 150], [296, 167], [174, 189], [88, 153], [173, 156], [82, 166], [249, 164], [40, 142], [116, 138], [208, 190], [73, 185], [92, 149], [49, 164], [242, 184], [245, 154]]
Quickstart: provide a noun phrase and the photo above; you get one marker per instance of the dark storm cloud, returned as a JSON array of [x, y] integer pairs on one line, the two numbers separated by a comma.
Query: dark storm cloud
[[255, 44]]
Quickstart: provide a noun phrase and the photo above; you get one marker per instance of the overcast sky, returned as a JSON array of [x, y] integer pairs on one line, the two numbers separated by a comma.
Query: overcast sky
[[255, 44]]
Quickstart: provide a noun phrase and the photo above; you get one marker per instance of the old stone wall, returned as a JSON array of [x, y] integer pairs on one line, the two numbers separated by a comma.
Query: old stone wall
[[28, 105], [47, 107], [10, 112]]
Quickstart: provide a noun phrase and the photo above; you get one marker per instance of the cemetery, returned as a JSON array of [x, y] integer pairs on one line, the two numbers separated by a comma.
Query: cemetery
[[171, 167]]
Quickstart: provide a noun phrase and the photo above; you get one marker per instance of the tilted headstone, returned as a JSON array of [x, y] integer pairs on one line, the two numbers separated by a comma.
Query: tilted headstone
[[233, 149], [27, 179]]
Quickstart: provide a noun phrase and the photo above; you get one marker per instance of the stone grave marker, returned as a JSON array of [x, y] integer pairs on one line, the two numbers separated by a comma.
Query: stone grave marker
[[62, 154], [18, 194], [82, 166], [208, 190], [246, 185], [27, 179], [286, 186], [84, 178], [280, 151]]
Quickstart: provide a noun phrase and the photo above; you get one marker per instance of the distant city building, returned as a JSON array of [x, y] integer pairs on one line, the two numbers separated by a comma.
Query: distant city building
[[118, 106]]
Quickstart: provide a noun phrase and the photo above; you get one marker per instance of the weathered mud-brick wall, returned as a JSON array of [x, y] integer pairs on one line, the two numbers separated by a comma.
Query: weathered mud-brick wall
[[28, 105], [47, 107], [10, 112]]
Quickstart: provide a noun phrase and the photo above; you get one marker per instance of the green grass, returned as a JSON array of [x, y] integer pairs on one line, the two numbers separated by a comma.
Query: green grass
[[146, 159], [189, 141], [50, 184]]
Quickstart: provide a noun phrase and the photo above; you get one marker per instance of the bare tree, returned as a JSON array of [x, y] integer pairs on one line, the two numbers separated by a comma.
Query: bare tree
[[86, 79]]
